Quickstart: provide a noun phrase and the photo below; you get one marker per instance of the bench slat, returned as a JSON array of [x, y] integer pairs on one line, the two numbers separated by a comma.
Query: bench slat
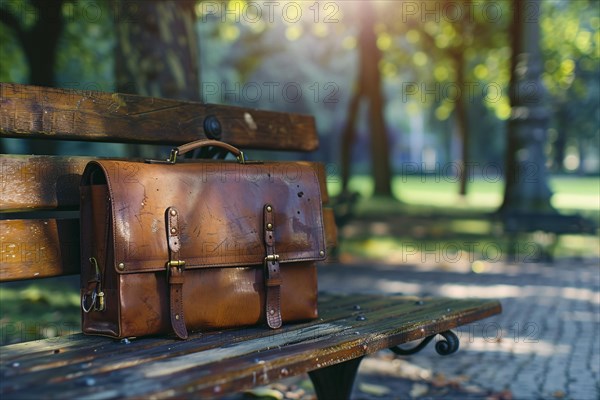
[[231, 366], [52, 182], [74, 349], [38, 248], [41, 112], [40, 182]]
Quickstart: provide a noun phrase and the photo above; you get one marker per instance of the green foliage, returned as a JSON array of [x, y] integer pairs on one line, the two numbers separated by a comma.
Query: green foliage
[[570, 42], [13, 67], [318, 51], [86, 50], [38, 310], [571, 48]]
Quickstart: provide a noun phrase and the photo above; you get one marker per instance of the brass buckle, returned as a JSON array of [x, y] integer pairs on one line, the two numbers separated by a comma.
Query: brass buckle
[[171, 160], [173, 157], [271, 257], [176, 263], [241, 158]]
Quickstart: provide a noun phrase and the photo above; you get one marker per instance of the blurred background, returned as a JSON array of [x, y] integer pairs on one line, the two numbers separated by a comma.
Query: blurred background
[[457, 135]]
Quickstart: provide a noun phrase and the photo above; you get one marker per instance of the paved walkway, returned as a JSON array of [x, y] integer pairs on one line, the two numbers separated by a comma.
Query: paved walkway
[[545, 344]]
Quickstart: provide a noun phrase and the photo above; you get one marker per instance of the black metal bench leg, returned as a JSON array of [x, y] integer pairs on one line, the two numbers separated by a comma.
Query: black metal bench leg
[[444, 347], [335, 382]]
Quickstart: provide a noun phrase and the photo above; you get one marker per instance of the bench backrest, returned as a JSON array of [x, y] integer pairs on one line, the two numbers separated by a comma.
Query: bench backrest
[[39, 199]]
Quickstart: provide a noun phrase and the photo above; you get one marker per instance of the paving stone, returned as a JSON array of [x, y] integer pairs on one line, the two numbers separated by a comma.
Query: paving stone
[[549, 326]]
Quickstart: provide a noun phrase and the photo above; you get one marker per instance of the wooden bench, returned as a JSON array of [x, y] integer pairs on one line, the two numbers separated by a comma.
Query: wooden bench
[[40, 238], [517, 226]]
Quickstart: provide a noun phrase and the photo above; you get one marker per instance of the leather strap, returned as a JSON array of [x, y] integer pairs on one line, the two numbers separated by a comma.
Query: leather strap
[[272, 272], [175, 268]]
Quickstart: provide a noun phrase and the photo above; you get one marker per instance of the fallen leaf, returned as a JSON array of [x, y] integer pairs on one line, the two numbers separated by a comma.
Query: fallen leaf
[[503, 395], [418, 390], [375, 390], [265, 392], [439, 380], [295, 394], [279, 386], [559, 394]]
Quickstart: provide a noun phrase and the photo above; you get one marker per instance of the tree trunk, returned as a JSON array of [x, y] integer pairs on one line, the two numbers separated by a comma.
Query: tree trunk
[[527, 189], [368, 87], [348, 137], [39, 44], [462, 125], [560, 144], [40, 41], [157, 50], [370, 56]]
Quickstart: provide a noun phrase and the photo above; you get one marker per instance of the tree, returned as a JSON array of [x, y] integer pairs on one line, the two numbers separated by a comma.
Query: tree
[[570, 44], [527, 189], [157, 49], [455, 50], [37, 25], [368, 87]]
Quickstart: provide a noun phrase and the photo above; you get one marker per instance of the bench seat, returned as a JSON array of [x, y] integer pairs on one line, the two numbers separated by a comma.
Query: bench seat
[[218, 363]]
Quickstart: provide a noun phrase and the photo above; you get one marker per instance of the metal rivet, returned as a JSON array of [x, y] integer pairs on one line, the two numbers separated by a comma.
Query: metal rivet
[[173, 212], [177, 317], [272, 312], [173, 230], [269, 208], [321, 253], [269, 226], [121, 266]]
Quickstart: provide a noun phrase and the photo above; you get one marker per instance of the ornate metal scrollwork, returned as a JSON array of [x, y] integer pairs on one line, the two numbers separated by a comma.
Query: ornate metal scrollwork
[[444, 347]]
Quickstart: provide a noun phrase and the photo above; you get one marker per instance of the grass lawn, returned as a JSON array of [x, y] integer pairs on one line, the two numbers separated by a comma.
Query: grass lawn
[[580, 194], [435, 195]]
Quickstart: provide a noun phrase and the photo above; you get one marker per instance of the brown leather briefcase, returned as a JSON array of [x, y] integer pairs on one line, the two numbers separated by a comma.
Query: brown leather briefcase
[[190, 246]]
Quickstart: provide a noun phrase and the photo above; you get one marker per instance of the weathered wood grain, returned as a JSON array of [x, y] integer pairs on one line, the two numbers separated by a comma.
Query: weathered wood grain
[[73, 349], [41, 112], [38, 248], [219, 363], [40, 182]]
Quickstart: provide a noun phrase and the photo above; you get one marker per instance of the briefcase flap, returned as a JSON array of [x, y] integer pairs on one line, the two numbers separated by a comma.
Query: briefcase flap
[[220, 208]]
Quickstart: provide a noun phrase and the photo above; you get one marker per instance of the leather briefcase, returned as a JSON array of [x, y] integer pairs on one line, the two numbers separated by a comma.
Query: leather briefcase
[[189, 246]]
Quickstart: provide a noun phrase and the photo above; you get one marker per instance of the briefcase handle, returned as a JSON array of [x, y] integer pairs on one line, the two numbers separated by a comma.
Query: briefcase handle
[[184, 148]]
